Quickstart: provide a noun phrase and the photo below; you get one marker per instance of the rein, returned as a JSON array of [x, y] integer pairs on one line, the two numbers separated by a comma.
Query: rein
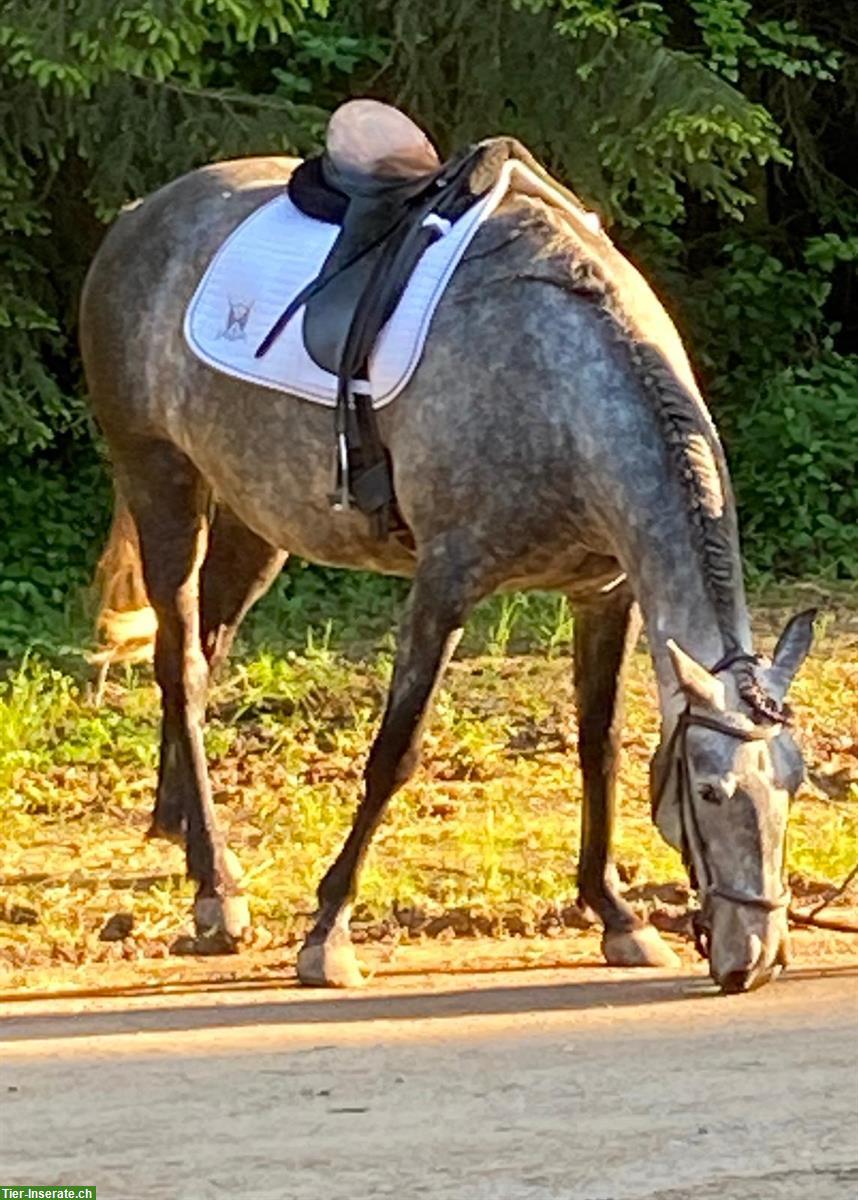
[[692, 836]]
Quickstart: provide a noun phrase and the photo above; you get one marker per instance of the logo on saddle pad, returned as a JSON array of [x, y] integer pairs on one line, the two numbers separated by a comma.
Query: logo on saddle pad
[[238, 314]]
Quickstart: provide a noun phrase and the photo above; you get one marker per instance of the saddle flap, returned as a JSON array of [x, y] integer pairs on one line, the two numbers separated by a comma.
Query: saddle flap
[[387, 224]]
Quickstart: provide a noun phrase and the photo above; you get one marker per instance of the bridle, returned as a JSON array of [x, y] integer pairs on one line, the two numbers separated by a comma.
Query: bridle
[[705, 879]]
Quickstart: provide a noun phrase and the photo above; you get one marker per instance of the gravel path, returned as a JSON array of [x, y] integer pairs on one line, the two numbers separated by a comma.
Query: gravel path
[[514, 1085]]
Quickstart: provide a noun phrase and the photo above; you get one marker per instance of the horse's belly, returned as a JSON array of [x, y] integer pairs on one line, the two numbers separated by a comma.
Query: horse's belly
[[270, 458]]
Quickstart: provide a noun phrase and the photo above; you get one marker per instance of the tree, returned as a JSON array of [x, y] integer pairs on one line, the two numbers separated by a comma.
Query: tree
[[713, 135], [100, 103]]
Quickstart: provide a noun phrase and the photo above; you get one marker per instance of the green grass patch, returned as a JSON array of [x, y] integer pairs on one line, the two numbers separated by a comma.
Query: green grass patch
[[490, 824]]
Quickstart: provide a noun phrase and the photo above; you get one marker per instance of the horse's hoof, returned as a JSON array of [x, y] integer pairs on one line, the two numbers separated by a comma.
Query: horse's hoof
[[221, 914], [327, 964], [637, 948], [211, 944]]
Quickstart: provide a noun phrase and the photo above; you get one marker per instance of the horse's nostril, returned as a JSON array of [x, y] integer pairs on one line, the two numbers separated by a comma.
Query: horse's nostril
[[737, 981]]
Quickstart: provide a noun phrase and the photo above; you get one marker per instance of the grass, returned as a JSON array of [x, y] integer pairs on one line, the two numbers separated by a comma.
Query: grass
[[484, 838]]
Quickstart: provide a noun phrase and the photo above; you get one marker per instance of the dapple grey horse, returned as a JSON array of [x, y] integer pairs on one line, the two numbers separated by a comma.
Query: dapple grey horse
[[552, 437]]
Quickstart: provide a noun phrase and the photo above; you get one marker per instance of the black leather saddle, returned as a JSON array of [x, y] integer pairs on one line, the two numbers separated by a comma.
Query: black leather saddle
[[381, 180]]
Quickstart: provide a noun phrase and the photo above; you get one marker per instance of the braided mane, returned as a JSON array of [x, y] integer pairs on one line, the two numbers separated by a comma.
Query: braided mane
[[698, 460]]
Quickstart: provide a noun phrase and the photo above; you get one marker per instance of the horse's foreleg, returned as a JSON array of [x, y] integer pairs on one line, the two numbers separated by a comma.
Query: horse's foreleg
[[430, 630], [605, 635], [239, 568], [168, 501]]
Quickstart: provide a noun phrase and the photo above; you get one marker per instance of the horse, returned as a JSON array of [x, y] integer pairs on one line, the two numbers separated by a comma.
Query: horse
[[553, 436]]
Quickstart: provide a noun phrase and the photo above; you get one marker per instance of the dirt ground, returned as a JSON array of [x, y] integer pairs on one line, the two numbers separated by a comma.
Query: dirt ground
[[482, 841], [488, 1070], [515, 1068]]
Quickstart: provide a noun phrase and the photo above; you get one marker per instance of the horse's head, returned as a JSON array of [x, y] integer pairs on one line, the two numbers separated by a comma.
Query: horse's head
[[721, 788]]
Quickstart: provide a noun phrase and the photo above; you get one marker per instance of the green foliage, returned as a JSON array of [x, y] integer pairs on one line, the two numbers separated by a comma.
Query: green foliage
[[830, 249], [758, 314], [637, 125], [675, 120], [53, 517], [734, 41], [796, 479], [102, 102], [788, 403]]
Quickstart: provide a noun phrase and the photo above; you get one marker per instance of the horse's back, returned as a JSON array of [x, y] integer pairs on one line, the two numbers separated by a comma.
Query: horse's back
[[211, 193]]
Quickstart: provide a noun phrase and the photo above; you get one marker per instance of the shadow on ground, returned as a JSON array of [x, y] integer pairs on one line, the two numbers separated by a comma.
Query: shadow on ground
[[316, 1007]]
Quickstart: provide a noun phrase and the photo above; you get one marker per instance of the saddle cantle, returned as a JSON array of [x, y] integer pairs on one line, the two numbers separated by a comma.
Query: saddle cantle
[[381, 180]]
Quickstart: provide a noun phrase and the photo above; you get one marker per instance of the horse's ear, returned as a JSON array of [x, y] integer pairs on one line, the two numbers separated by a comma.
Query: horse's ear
[[790, 652], [698, 685]]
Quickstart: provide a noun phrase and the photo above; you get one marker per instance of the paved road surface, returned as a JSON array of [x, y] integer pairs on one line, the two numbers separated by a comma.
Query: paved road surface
[[528, 1085]]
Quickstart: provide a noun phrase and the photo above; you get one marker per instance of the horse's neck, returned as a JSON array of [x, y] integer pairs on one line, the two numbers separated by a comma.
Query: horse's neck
[[677, 605]]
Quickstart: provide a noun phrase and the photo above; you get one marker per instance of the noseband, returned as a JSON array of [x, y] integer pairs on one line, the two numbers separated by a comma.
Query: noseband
[[706, 880]]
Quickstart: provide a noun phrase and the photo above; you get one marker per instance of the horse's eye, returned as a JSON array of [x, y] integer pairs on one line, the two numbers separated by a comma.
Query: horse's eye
[[710, 793]]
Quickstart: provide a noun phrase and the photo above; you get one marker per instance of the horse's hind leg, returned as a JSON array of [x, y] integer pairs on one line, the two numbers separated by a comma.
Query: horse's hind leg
[[169, 502], [605, 635], [239, 568], [439, 600]]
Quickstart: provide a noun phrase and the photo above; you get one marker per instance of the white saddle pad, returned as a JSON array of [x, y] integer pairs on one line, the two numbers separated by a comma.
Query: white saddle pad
[[278, 250]]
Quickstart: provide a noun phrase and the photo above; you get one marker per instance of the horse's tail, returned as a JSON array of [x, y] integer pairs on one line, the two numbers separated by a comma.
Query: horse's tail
[[126, 622]]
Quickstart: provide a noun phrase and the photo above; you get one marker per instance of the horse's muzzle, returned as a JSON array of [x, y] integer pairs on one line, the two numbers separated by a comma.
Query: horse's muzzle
[[746, 949], [749, 980]]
